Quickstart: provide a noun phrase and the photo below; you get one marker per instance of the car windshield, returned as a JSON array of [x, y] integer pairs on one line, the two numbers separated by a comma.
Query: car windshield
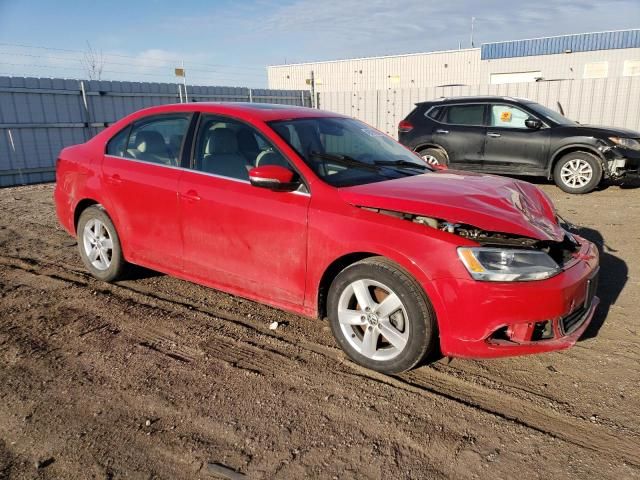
[[346, 152], [550, 114]]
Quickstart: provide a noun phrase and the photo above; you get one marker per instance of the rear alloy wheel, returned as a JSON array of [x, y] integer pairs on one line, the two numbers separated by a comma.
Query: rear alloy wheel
[[434, 156], [99, 244], [380, 316], [578, 172]]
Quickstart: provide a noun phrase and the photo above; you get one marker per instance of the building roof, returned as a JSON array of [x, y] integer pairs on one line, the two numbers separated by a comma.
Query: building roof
[[580, 42]]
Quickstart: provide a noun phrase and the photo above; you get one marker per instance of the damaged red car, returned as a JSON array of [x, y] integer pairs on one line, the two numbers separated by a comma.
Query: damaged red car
[[324, 216]]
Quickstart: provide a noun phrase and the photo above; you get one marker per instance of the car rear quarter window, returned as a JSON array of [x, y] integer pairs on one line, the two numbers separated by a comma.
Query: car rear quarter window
[[434, 113], [508, 116], [464, 114]]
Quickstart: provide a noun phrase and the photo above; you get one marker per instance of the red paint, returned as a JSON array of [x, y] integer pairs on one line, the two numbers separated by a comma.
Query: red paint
[[275, 246]]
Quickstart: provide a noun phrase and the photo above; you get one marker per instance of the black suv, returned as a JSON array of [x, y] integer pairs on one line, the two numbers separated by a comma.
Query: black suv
[[514, 136]]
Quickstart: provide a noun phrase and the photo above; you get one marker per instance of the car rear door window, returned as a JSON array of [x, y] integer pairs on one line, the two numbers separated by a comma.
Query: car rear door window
[[508, 116], [158, 140], [465, 114], [230, 148]]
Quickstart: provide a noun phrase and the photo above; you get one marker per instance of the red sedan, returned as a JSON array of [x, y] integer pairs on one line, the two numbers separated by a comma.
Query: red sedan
[[322, 215]]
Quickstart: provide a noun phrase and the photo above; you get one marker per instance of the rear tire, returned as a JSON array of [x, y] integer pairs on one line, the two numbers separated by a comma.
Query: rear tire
[[99, 245], [578, 172], [380, 316], [434, 156]]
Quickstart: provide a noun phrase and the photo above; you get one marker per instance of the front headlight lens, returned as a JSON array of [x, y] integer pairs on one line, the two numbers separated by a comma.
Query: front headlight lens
[[630, 143], [507, 265]]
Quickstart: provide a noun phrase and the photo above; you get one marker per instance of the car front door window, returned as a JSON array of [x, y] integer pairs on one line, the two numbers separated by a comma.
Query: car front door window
[[229, 148], [507, 116]]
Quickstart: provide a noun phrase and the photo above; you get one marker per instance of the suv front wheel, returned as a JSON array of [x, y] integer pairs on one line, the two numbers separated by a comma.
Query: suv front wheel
[[578, 172]]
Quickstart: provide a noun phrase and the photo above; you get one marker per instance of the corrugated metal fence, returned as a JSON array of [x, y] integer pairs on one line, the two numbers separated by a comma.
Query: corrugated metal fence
[[612, 102], [40, 116]]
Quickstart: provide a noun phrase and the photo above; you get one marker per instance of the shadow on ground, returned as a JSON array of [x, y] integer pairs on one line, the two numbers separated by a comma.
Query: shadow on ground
[[613, 276]]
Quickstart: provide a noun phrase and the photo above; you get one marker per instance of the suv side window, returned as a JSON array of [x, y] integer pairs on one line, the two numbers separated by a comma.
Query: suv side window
[[434, 112], [464, 114], [508, 116], [230, 148], [158, 140]]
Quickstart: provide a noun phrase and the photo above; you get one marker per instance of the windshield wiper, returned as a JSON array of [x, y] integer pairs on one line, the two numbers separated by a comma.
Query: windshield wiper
[[401, 163], [344, 160]]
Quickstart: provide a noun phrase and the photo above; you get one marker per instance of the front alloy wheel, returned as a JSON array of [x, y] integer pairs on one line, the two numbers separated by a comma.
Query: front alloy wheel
[[380, 316], [372, 319], [578, 172]]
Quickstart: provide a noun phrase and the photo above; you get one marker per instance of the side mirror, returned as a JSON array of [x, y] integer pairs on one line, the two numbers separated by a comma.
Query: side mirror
[[533, 123], [273, 177]]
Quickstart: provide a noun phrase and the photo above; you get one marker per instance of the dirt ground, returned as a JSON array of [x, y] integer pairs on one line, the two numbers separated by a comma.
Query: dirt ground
[[154, 377]]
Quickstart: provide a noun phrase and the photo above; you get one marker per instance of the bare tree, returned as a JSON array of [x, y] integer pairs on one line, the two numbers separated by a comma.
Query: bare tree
[[93, 62]]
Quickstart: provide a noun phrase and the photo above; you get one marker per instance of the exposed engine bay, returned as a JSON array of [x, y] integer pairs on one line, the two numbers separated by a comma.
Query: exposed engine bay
[[561, 252]]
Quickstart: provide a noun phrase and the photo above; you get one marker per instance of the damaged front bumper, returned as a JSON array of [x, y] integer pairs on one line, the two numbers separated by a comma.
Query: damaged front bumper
[[621, 162], [486, 319]]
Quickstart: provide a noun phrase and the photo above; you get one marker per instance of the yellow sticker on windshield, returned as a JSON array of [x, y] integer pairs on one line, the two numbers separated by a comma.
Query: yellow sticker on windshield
[[505, 116]]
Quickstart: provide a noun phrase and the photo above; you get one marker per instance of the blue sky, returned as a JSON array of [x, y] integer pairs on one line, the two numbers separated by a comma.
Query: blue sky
[[230, 42]]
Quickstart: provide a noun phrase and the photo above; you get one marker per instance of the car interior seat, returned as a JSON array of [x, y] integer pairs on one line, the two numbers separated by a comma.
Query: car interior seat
[[248, 145], [222, 155], [150, 146]]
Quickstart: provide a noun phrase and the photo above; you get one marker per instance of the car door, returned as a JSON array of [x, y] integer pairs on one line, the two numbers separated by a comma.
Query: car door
[[461, 131], [512, 147], [140, 181], [249, 239]]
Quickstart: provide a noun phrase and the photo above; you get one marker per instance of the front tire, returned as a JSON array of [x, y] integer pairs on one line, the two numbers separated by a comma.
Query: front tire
[[380, 316], [99, 245], [578, 172]]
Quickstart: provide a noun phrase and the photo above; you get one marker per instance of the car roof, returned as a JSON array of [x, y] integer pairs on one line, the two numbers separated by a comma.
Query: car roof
[[475, 98], [248, 111]]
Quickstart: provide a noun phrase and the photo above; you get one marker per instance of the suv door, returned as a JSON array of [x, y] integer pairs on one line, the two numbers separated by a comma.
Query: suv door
[[511, 146], [140, 180], [248, 239], [460, 129]]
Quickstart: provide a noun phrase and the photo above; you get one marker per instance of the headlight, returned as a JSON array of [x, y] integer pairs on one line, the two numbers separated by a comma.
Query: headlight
[[630, 143], [507, 265]]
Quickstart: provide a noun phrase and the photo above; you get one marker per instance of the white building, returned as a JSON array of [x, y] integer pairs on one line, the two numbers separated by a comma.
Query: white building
[[568, 57]]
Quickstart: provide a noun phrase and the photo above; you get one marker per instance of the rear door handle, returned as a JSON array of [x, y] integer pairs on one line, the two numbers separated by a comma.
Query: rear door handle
[[114, 179], [190, 196], [444, 132], [493, 134]]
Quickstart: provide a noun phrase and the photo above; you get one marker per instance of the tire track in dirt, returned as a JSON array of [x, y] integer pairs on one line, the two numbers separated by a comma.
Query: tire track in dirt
[[423, 382]]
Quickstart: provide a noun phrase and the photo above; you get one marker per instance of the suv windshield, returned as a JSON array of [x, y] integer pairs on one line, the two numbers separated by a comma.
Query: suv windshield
[[345, 152], [550, 114]]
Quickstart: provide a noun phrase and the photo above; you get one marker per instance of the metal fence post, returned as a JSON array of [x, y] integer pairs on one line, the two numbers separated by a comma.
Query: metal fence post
[[250, 96]]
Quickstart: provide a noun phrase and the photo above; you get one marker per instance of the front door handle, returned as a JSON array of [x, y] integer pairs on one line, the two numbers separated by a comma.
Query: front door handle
[[493, 134], [190, 196], [444, 132]]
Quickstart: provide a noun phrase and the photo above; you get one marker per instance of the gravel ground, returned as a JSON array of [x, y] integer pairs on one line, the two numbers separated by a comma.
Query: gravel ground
[[154, 377]]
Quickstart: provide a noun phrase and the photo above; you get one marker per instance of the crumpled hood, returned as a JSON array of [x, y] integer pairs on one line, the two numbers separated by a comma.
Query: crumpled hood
[[495, 204]]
